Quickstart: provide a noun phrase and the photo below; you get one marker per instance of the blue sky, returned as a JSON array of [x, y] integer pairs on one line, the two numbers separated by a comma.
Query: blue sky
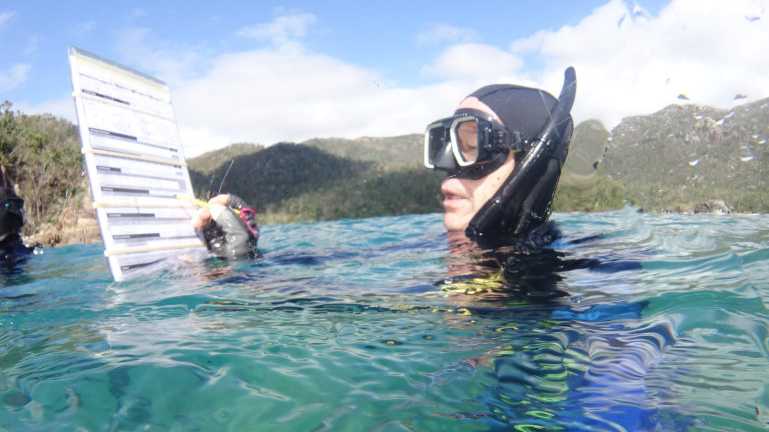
[[416, 58], [379, 35]]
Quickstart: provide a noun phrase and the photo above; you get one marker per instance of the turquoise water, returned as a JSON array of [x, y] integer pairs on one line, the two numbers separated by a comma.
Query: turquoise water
[[638, 322]]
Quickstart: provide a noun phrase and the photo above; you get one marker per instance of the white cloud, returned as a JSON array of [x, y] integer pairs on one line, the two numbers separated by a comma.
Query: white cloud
[[283, 92], [442, 33], [281, 30], [629, 62], [172, 64], [286, 93], [5, 17], [625, 66], [474, 61], [13, 77]]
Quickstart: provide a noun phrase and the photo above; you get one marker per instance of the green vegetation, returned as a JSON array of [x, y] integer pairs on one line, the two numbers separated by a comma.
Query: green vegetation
[[41, 154], [210, 161], [304, 182], [682, 156], [675, 159], [376, 193], [581, 188], [587, 147], [590, 193], [390, 152]]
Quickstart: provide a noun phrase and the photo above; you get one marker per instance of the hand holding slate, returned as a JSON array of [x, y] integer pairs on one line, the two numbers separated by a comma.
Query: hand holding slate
[[228, 227]]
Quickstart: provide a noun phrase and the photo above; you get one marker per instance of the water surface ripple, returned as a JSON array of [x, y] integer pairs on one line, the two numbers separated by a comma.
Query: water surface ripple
[[632, 322]]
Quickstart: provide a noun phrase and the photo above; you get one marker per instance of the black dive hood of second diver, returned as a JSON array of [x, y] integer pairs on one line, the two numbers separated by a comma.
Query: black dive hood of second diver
[[11, 213], [522, 204]]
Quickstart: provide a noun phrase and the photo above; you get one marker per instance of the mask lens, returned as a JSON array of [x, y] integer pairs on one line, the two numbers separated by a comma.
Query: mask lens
[[467, 140], [437, 139]]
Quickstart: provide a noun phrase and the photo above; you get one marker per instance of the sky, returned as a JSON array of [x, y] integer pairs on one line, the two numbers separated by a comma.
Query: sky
[[271, 71]]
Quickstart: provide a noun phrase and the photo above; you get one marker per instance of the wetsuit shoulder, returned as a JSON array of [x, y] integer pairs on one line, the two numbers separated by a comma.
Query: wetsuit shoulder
[[13, 250]]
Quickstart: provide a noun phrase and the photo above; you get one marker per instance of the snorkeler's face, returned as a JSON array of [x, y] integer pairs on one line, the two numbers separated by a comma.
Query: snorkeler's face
[[462, 198]]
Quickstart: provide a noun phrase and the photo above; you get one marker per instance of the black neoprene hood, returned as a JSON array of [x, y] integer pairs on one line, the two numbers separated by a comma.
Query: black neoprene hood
[[11, 221], [522, 203], [521, 109]]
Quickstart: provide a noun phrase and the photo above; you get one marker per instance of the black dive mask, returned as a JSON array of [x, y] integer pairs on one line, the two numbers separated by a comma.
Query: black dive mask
[[11, 216], [470, 144]]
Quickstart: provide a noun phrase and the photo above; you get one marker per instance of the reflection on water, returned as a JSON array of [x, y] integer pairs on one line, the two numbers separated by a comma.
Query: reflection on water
[[630, 322]]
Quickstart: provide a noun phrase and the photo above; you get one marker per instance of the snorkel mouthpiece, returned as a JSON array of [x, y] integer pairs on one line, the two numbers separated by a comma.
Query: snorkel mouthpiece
[[523, 202]]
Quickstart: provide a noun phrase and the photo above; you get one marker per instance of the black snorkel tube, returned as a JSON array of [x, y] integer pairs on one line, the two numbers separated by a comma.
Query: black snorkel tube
[[523, 202]]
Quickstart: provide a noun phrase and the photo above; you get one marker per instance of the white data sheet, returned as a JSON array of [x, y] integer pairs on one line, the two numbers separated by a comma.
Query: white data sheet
[[135, 163]]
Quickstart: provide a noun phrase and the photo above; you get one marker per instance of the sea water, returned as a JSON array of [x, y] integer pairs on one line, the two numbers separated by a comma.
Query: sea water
[[633, 322]]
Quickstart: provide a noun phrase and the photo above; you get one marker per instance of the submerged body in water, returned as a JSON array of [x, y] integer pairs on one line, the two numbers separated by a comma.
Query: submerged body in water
[[653, 322], [14, 251], [543, 377]]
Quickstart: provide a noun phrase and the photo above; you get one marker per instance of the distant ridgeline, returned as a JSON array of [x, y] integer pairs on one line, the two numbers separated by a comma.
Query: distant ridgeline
[[684, 156], [675, 159], [323, 179]]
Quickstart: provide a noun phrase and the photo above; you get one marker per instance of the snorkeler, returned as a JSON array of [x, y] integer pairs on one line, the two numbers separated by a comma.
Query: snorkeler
[[503, 150], [12, 248], [228, 227]]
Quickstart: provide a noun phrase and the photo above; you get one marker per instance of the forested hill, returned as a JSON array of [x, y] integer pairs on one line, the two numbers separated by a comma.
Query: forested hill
[[324, 178], [331, 178], [394, 152], [678, 159], [674, 159], [41, 156], [685, 155]]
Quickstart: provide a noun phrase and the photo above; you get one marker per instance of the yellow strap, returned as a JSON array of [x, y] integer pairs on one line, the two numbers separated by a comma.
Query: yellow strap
[[184, 199]]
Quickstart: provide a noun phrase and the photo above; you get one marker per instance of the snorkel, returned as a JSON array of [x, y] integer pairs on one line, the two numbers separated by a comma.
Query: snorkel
[[523, 202]]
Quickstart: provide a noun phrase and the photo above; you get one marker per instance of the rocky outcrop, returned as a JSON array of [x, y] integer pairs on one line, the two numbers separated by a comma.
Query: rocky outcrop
[[717, 207], [76, 224], [587, 148], [689, 154]]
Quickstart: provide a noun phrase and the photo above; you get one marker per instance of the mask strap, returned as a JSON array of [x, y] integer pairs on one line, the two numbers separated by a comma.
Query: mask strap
[[480, 114]]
